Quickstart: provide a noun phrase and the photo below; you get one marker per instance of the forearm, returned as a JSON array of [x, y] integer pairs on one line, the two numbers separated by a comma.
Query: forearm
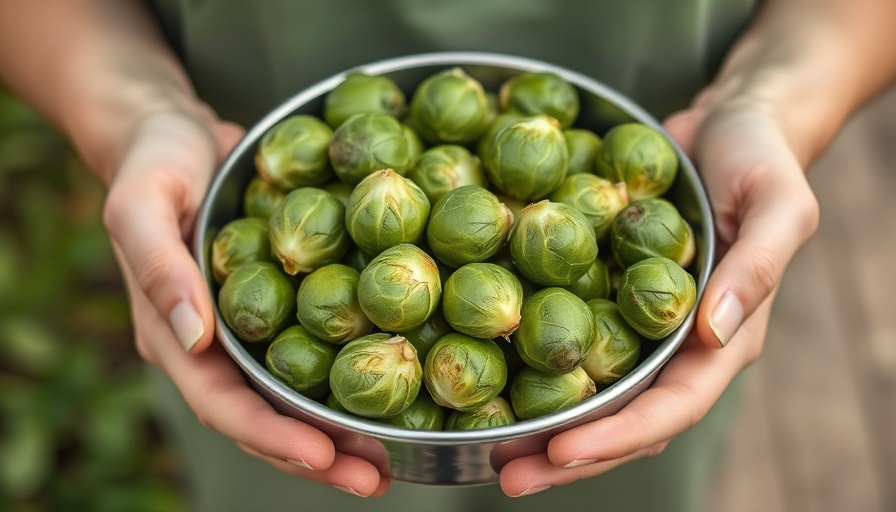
[[813, 63], [93, 67]]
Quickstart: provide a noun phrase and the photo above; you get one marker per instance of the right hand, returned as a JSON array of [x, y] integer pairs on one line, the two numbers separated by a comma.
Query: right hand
[[149, 213]]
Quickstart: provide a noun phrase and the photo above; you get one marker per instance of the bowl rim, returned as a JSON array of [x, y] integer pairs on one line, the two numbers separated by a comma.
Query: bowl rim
[[558, 420]]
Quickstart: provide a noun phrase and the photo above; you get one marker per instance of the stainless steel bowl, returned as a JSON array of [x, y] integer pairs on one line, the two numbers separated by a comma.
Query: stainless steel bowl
[[447, 458]]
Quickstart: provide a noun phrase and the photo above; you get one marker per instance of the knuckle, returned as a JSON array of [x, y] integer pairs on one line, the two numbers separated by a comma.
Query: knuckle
[[689, 399], [246, 449], [204, 402], [152, 270], [647, 421], [764, 269], [752, 354], [656, 449], [204, 420], [809, 214], [143, 350], [755, 338], [113, 210]]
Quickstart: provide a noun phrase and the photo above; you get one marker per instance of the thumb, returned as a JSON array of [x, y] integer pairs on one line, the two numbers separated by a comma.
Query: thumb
[[227, 135], [148, 211], [764, 210]]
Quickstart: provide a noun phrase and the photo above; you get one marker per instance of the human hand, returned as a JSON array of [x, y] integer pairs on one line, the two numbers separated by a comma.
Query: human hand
[[764, 211], [152, 202]]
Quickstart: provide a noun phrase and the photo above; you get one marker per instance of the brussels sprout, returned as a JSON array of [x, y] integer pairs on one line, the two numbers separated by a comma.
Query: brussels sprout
[[333, 403], [356, 258], [616, 345], [260, 198], [428, 333], [496, 413], [504, 259], [615, 279], [415, 145], [467, 225], [464, 373], [257, 301], [239, 242], [307, 230], [376, 376], [327, 304], [441, 169], [534, 393], [362, 94], [494, 107], [527, 159], [340, 191], [384, 210], [293, 153], [553, 244], [651, 227], [541, 93], [496, 125], [594, 284], [599, 199], [556, 331], [483, 300], [655, 296], [450, 107], [400, 288], [511, 357], [366, 143], [301, 361], [422, 414], [583, 146], [641, 157]]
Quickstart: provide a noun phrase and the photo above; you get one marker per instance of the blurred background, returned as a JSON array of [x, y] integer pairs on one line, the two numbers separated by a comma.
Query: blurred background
[[77, 430]]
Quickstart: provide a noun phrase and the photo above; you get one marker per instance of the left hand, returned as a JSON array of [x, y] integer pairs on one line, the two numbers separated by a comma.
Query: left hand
[[764, 212]]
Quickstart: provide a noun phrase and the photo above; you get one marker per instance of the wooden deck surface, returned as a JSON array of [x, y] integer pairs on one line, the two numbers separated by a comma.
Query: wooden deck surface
[[817, 427]]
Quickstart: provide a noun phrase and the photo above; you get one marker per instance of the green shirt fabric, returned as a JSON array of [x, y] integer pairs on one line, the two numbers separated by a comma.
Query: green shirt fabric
[[247, 56]]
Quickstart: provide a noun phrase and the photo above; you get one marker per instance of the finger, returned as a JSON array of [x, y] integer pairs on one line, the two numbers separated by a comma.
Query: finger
[[216, 392], [682, 126], [149, 209], [683, 393], [535, 473], [772, 214], [385, 482], [228, 135], [348, 474]]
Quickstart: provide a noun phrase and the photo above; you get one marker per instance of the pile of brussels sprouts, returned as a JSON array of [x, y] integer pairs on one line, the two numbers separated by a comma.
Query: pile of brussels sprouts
[[435, 265]]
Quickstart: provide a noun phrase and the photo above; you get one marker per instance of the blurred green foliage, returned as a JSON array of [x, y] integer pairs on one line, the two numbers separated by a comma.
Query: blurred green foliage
[[76, 424]]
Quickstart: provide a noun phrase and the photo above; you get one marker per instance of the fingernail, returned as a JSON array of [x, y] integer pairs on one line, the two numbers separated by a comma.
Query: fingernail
[[345, 488], [726, 318], [187, 324], [532, 490], [580, 462], [299, 462]]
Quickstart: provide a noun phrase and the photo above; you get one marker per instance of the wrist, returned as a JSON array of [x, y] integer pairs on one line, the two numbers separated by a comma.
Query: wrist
[[809, 93], [94, 68], [103, 123], [809, 64]]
